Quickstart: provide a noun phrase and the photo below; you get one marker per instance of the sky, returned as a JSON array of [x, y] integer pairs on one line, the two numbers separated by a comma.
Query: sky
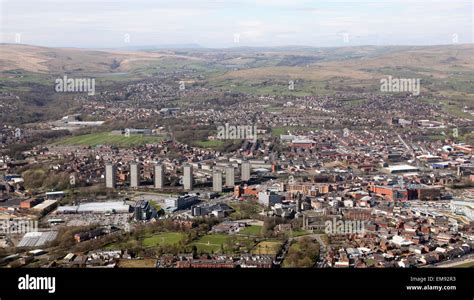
[[235, 23]]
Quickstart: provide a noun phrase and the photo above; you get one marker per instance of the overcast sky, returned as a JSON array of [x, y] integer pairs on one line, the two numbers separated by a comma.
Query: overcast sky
[[229, 23]]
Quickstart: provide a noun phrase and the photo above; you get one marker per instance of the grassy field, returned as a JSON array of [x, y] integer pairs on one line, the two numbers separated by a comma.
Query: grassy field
[[295, 247], [245, 210], [160, 239], [210, 243], [137, 263], [243, 244], [453, 105], [267, 248], [298, 232], [165, 238], [370, 262], [251, 230], [302, 254], [105, 138]]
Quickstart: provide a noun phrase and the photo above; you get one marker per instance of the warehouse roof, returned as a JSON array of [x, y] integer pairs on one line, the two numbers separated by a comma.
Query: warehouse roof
[[45, 204], [37, 239], [402, 167], [103, 206], [97, 207]]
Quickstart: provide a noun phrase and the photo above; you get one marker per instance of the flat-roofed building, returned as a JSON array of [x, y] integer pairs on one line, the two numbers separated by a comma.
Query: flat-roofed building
[[37, 238], [245, 172], [424, 192], [30, 203], [110, 176], [46, 206], [464, 208], [55, 195], [134, 174], [181, 202], [217, 181], [391, 193], [188, 177], [308, 188], [159, 176], [399, 169], [303, 143], [268, 198], [95, 207], [229, 176], [132, 131]]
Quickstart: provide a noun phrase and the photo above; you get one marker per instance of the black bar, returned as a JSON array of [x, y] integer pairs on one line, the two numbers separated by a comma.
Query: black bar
[[366, 283]]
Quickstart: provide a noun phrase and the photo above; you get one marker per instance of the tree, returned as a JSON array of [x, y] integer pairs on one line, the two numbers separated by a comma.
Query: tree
[[302, 254]]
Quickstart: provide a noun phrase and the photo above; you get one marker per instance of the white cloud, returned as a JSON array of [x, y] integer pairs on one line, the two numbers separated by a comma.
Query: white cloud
[[102, 23]]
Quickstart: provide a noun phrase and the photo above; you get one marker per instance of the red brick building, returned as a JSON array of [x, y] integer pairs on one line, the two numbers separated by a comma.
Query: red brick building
[[390, 193], [30, 203]]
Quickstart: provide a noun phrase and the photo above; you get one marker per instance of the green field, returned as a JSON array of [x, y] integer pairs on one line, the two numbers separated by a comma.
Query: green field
[[211, 243], [301, 254], [155, 240], [106, 138], [453, 105], [370, 262], [295, 247], [267, 248], [161, 239], [297, 232], [245, 210], [278, 86], [210, 144], [251, 230]]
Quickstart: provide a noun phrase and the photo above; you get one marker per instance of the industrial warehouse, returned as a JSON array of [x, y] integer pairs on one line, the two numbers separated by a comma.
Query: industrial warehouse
[[95, 207]]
